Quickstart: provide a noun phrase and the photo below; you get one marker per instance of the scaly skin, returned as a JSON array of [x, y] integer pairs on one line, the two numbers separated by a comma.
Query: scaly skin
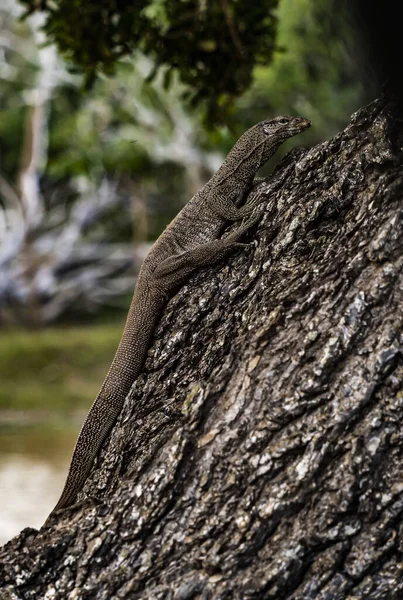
[[190, 241]]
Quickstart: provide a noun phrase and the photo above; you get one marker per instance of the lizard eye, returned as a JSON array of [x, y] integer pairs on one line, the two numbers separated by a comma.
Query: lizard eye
[[272, 126]]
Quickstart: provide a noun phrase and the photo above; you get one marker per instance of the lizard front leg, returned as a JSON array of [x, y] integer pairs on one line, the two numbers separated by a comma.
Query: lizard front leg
[[182, 264], [223, 207]]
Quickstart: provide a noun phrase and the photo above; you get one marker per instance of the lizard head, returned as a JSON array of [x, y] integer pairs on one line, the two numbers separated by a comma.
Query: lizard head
[[257, 145], [281, 128], [269, 134]]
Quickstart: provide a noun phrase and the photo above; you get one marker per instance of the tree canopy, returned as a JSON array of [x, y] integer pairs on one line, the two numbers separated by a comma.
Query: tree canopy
[[214, 46]]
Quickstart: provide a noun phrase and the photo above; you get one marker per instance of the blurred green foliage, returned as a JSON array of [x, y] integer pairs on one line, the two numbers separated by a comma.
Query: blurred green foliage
[[314, 72], [214, 46], [129, 127]]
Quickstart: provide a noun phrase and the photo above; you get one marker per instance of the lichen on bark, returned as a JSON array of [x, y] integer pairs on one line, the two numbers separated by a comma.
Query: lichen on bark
[[259, 454]]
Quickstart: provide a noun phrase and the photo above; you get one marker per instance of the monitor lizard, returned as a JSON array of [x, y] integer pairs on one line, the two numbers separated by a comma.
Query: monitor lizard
[[190, 241]]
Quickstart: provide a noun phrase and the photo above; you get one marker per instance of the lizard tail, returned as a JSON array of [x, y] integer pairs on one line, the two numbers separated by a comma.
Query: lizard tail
[[126, 366]]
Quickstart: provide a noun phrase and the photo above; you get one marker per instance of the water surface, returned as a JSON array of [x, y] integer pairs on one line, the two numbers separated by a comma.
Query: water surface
[[33, 466]]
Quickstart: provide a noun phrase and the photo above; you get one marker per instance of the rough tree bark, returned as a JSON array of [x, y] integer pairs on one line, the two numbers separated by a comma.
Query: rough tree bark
[[259, 455]]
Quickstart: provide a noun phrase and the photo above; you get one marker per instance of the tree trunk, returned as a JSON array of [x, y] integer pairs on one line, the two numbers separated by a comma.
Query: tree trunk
[[259, 455]]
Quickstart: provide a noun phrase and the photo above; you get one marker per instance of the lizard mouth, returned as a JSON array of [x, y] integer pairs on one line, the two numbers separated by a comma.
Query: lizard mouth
[[298, 125], [301, 124]]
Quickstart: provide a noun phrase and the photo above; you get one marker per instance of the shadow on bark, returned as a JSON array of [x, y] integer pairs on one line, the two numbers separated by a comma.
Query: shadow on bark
[[259, 455]]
